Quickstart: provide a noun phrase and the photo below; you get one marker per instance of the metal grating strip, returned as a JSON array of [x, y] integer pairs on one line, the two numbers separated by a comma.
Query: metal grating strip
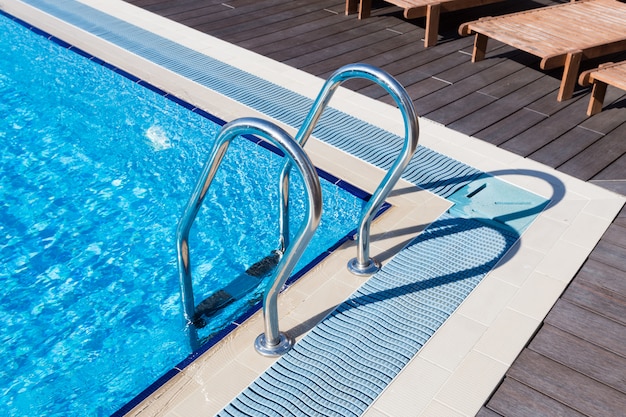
[[351, 356]]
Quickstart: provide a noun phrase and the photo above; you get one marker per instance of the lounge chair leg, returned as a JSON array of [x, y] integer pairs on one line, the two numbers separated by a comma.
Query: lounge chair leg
[[432, 24], [597, 98], [570, 74], [352, 6], [480, 47], [365, 7]]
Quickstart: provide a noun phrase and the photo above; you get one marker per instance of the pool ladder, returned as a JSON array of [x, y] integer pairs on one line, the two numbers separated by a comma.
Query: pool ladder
[[273, 342], [362, 264]]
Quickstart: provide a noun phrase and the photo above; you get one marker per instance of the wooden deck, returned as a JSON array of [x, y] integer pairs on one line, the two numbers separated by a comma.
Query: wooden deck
[[576, 364]]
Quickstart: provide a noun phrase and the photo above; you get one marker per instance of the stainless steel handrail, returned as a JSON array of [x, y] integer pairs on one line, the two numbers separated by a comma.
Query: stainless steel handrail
[[272, 342], [363, 264]]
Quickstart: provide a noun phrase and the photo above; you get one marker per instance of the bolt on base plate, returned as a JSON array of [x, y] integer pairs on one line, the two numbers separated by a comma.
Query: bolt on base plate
[[285, 343], [371, 268]]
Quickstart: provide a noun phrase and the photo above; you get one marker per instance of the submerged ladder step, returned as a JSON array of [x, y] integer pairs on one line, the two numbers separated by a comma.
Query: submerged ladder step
[[239, 287]]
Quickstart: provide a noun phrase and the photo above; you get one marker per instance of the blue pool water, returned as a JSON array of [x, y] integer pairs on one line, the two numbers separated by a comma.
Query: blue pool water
[[96, 171]]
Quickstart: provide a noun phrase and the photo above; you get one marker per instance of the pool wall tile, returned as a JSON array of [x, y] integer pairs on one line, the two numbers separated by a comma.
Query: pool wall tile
[[149, 391]]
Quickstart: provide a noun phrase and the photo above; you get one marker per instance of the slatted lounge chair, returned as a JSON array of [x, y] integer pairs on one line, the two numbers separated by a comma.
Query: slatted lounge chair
[[601, 77], [419, 8], [561, 35]]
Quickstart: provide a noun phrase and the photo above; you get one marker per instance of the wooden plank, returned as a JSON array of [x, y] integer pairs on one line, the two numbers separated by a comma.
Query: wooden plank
[[261, 19], [323, 34], [512, 93], [305, 20], [390, 52], [601, 275], [515, 81], [492, 113], [546, 131], [147, 4], [621, 217], [567, 386], [614, 74], [537, 89], [599, 300], [459, 108], [600, 154], [566, 146], [167, 7], [588, 326], [511, 126], [214, 20], [611, 255], [462, 88], [466, 70], [340, 53], [607, 122], [298, 30], [486, 412], [344, 40], [205, 13], [616, 234], [581, 356], [612, 176], [412, 73], [416, 83], [427, 61], [427, 86], [255, 17], [514, 399]]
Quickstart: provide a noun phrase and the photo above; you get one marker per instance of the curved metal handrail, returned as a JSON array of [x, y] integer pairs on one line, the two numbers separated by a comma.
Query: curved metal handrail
[[272, 342], [363, 264]]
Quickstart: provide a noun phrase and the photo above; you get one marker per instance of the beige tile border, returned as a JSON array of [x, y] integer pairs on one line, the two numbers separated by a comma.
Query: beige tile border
[[462, 363]]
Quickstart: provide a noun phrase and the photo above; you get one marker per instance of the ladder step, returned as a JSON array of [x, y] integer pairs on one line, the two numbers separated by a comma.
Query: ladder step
[[236, 289]]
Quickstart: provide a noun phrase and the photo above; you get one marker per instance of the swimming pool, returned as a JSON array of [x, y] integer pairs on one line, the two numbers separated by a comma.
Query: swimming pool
[[473, 376], [96, 172]]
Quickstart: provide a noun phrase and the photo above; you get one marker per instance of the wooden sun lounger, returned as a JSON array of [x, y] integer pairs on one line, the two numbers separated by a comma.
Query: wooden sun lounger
[[561, 35], [600, 78], [419, 8]]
